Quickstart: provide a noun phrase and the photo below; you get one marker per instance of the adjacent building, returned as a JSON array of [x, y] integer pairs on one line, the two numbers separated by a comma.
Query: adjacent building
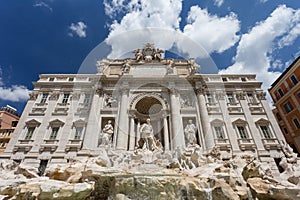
[[67, 115], [8, 121], [285, 92]]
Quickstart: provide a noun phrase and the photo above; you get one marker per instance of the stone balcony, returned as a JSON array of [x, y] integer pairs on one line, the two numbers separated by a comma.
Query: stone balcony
[[246, 144], [256, 108], [213, 108], [49, 145], [271, 144], [234, 108], [73, 145], [224, 144], [23, 145]]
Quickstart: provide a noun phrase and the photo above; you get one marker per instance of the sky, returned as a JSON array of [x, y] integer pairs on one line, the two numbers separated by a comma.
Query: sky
[[61, 36]]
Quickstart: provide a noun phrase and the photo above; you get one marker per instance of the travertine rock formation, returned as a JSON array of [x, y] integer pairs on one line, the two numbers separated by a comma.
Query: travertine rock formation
[[151, 175]]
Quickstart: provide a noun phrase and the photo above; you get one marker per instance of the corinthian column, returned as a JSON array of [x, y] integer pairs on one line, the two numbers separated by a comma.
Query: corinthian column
[[208, 135], [122, 137], [177, 127]]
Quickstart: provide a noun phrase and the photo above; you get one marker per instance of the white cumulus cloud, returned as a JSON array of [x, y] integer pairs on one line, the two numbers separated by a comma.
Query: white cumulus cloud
[[79, 29], [293, 34], [15, 93], [218, 2], [146, 16], [215, 34], [254, 51], [128, 33], [112, 7]]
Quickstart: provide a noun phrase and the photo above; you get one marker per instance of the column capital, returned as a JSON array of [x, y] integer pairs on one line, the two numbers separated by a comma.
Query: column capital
[[33, 95], [200, 89], [261, 95], [173, 90], [165, 114], [131, 114], [124, 88], [220, 94], [76, 95], [240, 95]]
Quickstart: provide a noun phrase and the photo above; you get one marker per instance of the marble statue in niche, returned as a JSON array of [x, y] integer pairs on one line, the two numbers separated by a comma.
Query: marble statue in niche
[[106, 134], [149, 142], [190, 133]]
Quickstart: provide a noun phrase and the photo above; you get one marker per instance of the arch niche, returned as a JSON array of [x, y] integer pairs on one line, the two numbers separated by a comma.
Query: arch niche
[[154, 107]]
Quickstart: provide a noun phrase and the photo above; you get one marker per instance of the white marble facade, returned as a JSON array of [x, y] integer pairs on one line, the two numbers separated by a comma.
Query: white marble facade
[[75, 115]]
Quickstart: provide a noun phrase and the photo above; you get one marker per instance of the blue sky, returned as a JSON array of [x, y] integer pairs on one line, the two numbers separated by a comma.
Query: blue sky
[[55, 36]]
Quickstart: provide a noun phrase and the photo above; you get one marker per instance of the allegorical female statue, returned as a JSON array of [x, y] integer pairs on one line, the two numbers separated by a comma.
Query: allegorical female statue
[[107, 133], [190, 132]]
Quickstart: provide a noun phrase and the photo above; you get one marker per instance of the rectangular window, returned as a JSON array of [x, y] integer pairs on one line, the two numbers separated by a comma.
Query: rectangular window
[[288, 107], [284, 130], [296, 122], [243, 79], [242, 132], [265, 131], [29, 133], [230, 98], [71, 79], [66, 98], [219, 132], [210, 99], [51, 79], [78, 133], [87, 99], [14, 123], [294, 79], [278, 117], [54, 132], [44, 98], [8, 133], [280, 92], [224, 79]]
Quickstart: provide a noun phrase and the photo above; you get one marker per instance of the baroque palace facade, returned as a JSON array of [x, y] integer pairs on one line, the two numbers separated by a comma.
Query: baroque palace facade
[[71, 116]]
